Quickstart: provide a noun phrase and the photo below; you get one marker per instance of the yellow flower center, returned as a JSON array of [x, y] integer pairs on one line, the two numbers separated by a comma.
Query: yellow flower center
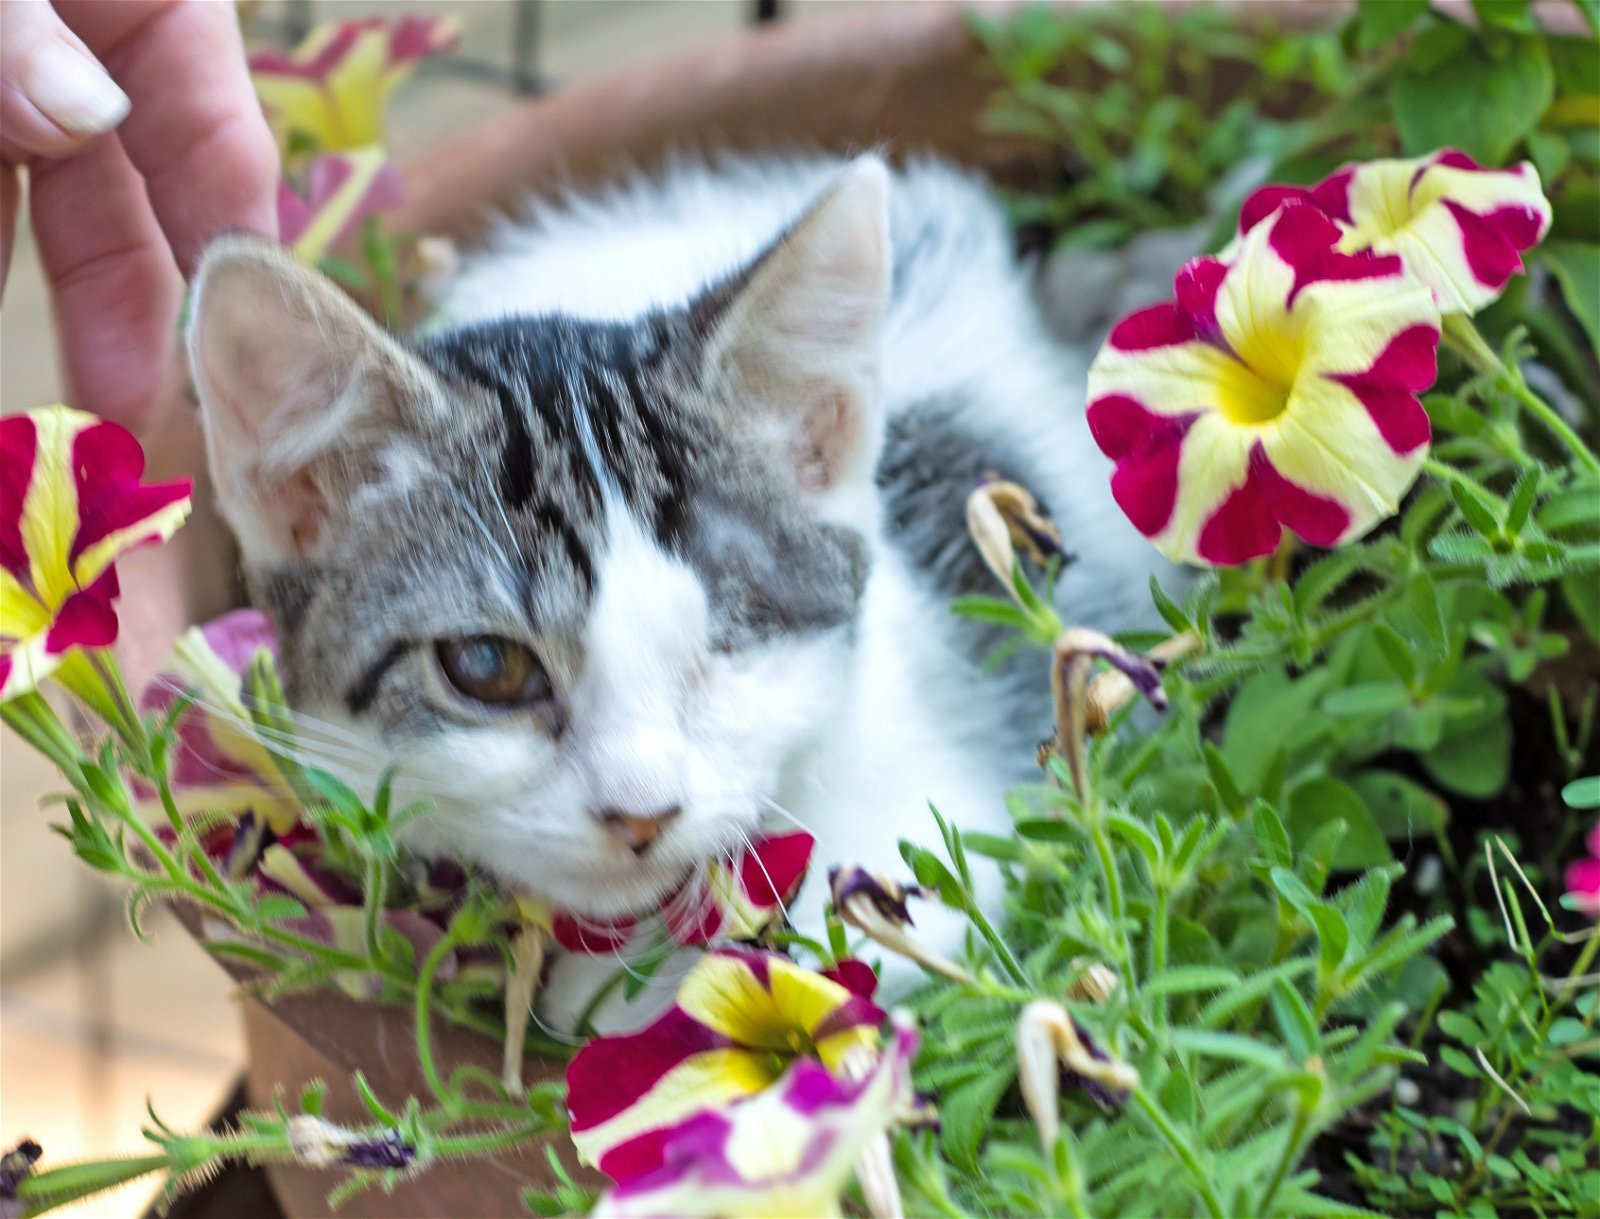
[[1257, 386]]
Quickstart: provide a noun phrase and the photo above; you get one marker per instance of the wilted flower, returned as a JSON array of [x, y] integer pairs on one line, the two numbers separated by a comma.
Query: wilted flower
[[329, 92], [1460, 228], [318, 1143], [788, 1151], [1052, 1049], [1004, 517], [1279, 390], [72, 504], [741, 1019], [342, 190], [876, 905], [1583, 878]]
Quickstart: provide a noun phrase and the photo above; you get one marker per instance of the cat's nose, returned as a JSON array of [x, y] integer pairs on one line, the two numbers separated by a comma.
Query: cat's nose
[[635, 831]]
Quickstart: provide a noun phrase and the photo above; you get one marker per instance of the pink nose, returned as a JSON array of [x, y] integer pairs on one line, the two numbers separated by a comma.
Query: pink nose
[[636, 832]]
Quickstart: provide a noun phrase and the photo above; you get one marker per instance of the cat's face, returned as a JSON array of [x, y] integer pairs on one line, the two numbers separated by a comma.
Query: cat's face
[[592, 587]]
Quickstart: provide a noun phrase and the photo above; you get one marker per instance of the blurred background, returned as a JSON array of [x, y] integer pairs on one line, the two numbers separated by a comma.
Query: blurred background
[[92, 1023]]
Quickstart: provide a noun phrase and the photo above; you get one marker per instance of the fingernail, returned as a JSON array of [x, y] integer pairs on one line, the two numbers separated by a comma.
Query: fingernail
[[74, 92]]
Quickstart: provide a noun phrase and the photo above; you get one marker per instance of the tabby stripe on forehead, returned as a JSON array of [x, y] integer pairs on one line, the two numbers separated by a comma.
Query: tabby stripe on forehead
[[671, 448], [365, 691], [516, 461], [552, 520]]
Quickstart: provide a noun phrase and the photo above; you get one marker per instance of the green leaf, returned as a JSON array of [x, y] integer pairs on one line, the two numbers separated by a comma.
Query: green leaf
[[1582, 793], [1136, 836], [1333, 935], [1474, 100], [1507, 14], [1380, 22], [1295, 1019], [989, 609], [1582, 593], [1402, 807], [1222, 779], [1476, 763], [1187, 979], [1523, 497], [966, 1112], [1271, 835], [1481, 512], [1367, 699], [930, 870], [1169, 611], [1228, 1046], [1576, 267], [1315, 803], [278, 908], [1397, 652]]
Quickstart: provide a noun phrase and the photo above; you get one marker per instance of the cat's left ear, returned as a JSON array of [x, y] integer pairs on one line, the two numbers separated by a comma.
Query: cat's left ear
[[792, 343]]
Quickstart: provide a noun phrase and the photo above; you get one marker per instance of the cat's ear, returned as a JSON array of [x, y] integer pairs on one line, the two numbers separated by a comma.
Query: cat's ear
[[299, 390], [792, 343]]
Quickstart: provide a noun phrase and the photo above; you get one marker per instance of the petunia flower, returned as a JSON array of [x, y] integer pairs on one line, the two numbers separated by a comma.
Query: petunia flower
[[1583, 878], [70, 504], [342, 190], [1460, 228], [218, 763], [789, 1151], [741, 1019], [329, 92], [1279, 390]]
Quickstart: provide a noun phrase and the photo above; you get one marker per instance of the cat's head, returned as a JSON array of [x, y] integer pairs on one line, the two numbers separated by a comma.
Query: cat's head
[[592, 586]]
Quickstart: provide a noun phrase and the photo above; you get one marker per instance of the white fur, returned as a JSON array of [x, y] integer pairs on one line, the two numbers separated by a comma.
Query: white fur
[[854, 744]]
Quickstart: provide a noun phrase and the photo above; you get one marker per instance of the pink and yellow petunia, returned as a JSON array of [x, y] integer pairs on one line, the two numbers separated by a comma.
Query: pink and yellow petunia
[[788, 1151], [1279, 390], [218, 763], [742, 1018], [70, 504], [1460, 228], [342, 190], [328, 94]]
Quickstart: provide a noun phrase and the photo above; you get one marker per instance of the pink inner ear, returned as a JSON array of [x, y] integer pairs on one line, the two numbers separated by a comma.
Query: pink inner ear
[[830, 433]]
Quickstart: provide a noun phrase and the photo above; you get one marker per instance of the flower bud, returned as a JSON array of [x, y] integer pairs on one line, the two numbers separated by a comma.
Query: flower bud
[[1096, 984]]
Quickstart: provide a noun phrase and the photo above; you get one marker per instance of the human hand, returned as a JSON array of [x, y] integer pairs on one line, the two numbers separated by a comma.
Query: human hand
[[133, 168]]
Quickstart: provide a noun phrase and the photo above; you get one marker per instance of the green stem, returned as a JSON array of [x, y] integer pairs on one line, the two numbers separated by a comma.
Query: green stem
[[1466, 340], [1114, 898], [423, 1007], [1002, 950], [1291, 1156], [1182, 1149], [1158, 946], [186, 838]]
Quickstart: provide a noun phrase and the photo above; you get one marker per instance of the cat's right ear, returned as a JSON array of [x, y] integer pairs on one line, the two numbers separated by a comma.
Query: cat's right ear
[[299, 388]]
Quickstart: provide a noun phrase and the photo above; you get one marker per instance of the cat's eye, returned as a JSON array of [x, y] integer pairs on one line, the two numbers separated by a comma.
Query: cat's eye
[[494, 670]]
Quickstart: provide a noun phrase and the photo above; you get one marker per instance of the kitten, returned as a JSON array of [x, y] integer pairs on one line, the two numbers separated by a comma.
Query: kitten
[[652, 535]]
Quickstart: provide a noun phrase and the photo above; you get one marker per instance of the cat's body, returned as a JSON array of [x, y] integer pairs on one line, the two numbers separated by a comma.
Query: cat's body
[[710, 487]]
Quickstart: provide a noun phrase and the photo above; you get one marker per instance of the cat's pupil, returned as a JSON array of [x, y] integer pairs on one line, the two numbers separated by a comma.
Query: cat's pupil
[[490, 669]]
